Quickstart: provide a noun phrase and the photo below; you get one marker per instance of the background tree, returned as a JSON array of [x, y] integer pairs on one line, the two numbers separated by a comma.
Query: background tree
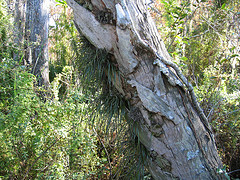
[[31, 34], [19, 25], [36, 36]]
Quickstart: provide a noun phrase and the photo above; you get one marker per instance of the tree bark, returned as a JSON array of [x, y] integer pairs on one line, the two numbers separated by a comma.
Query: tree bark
[[19, 24], [170, 122], [36, 37]]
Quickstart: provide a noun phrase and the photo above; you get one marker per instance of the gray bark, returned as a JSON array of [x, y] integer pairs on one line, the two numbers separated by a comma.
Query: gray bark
[[170, 122], [36, 37], [19, 24]]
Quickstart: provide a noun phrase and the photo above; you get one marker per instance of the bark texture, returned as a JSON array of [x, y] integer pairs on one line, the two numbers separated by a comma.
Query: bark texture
[[19, 19], [36, 37], [171, 124]]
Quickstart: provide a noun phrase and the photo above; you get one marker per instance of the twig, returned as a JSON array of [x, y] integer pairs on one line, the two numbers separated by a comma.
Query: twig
[[211, 26], [44, 152], [228, 113], [217, 104], [197, 35], [110, 166], [233, 171]]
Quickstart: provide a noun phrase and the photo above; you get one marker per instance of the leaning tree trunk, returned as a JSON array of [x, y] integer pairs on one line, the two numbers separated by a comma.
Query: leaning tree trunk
[[171, 125], [36, 37]]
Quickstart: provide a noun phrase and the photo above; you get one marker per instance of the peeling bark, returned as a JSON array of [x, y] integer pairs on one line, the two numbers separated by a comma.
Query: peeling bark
[[171, 124]]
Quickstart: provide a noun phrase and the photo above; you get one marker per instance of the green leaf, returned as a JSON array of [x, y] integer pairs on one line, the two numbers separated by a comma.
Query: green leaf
[[223, 60], [223, 6], [61, 1], [213, 77], [231, 49], [184, 58], [234, 55]]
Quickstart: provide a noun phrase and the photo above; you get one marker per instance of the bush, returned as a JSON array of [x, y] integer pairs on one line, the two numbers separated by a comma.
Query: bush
[[43, 139]]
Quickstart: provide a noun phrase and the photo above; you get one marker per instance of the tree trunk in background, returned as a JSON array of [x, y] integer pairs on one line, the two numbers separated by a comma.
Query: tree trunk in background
[[19, 24], [171, 125], [36, 37]]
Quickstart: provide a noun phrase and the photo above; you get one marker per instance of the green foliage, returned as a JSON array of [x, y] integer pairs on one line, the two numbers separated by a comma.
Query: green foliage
[[5, 29], [175, 13], [48, 139], [61, 2], [43, 139], [62, 36], [97, 74]]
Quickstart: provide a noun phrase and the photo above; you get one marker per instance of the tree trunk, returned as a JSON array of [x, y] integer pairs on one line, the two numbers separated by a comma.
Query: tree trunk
[[19, 20], [171, 125], [36, 37]]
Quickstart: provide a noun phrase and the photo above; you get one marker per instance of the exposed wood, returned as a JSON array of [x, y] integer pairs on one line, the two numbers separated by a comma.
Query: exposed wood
[[171, 125]]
